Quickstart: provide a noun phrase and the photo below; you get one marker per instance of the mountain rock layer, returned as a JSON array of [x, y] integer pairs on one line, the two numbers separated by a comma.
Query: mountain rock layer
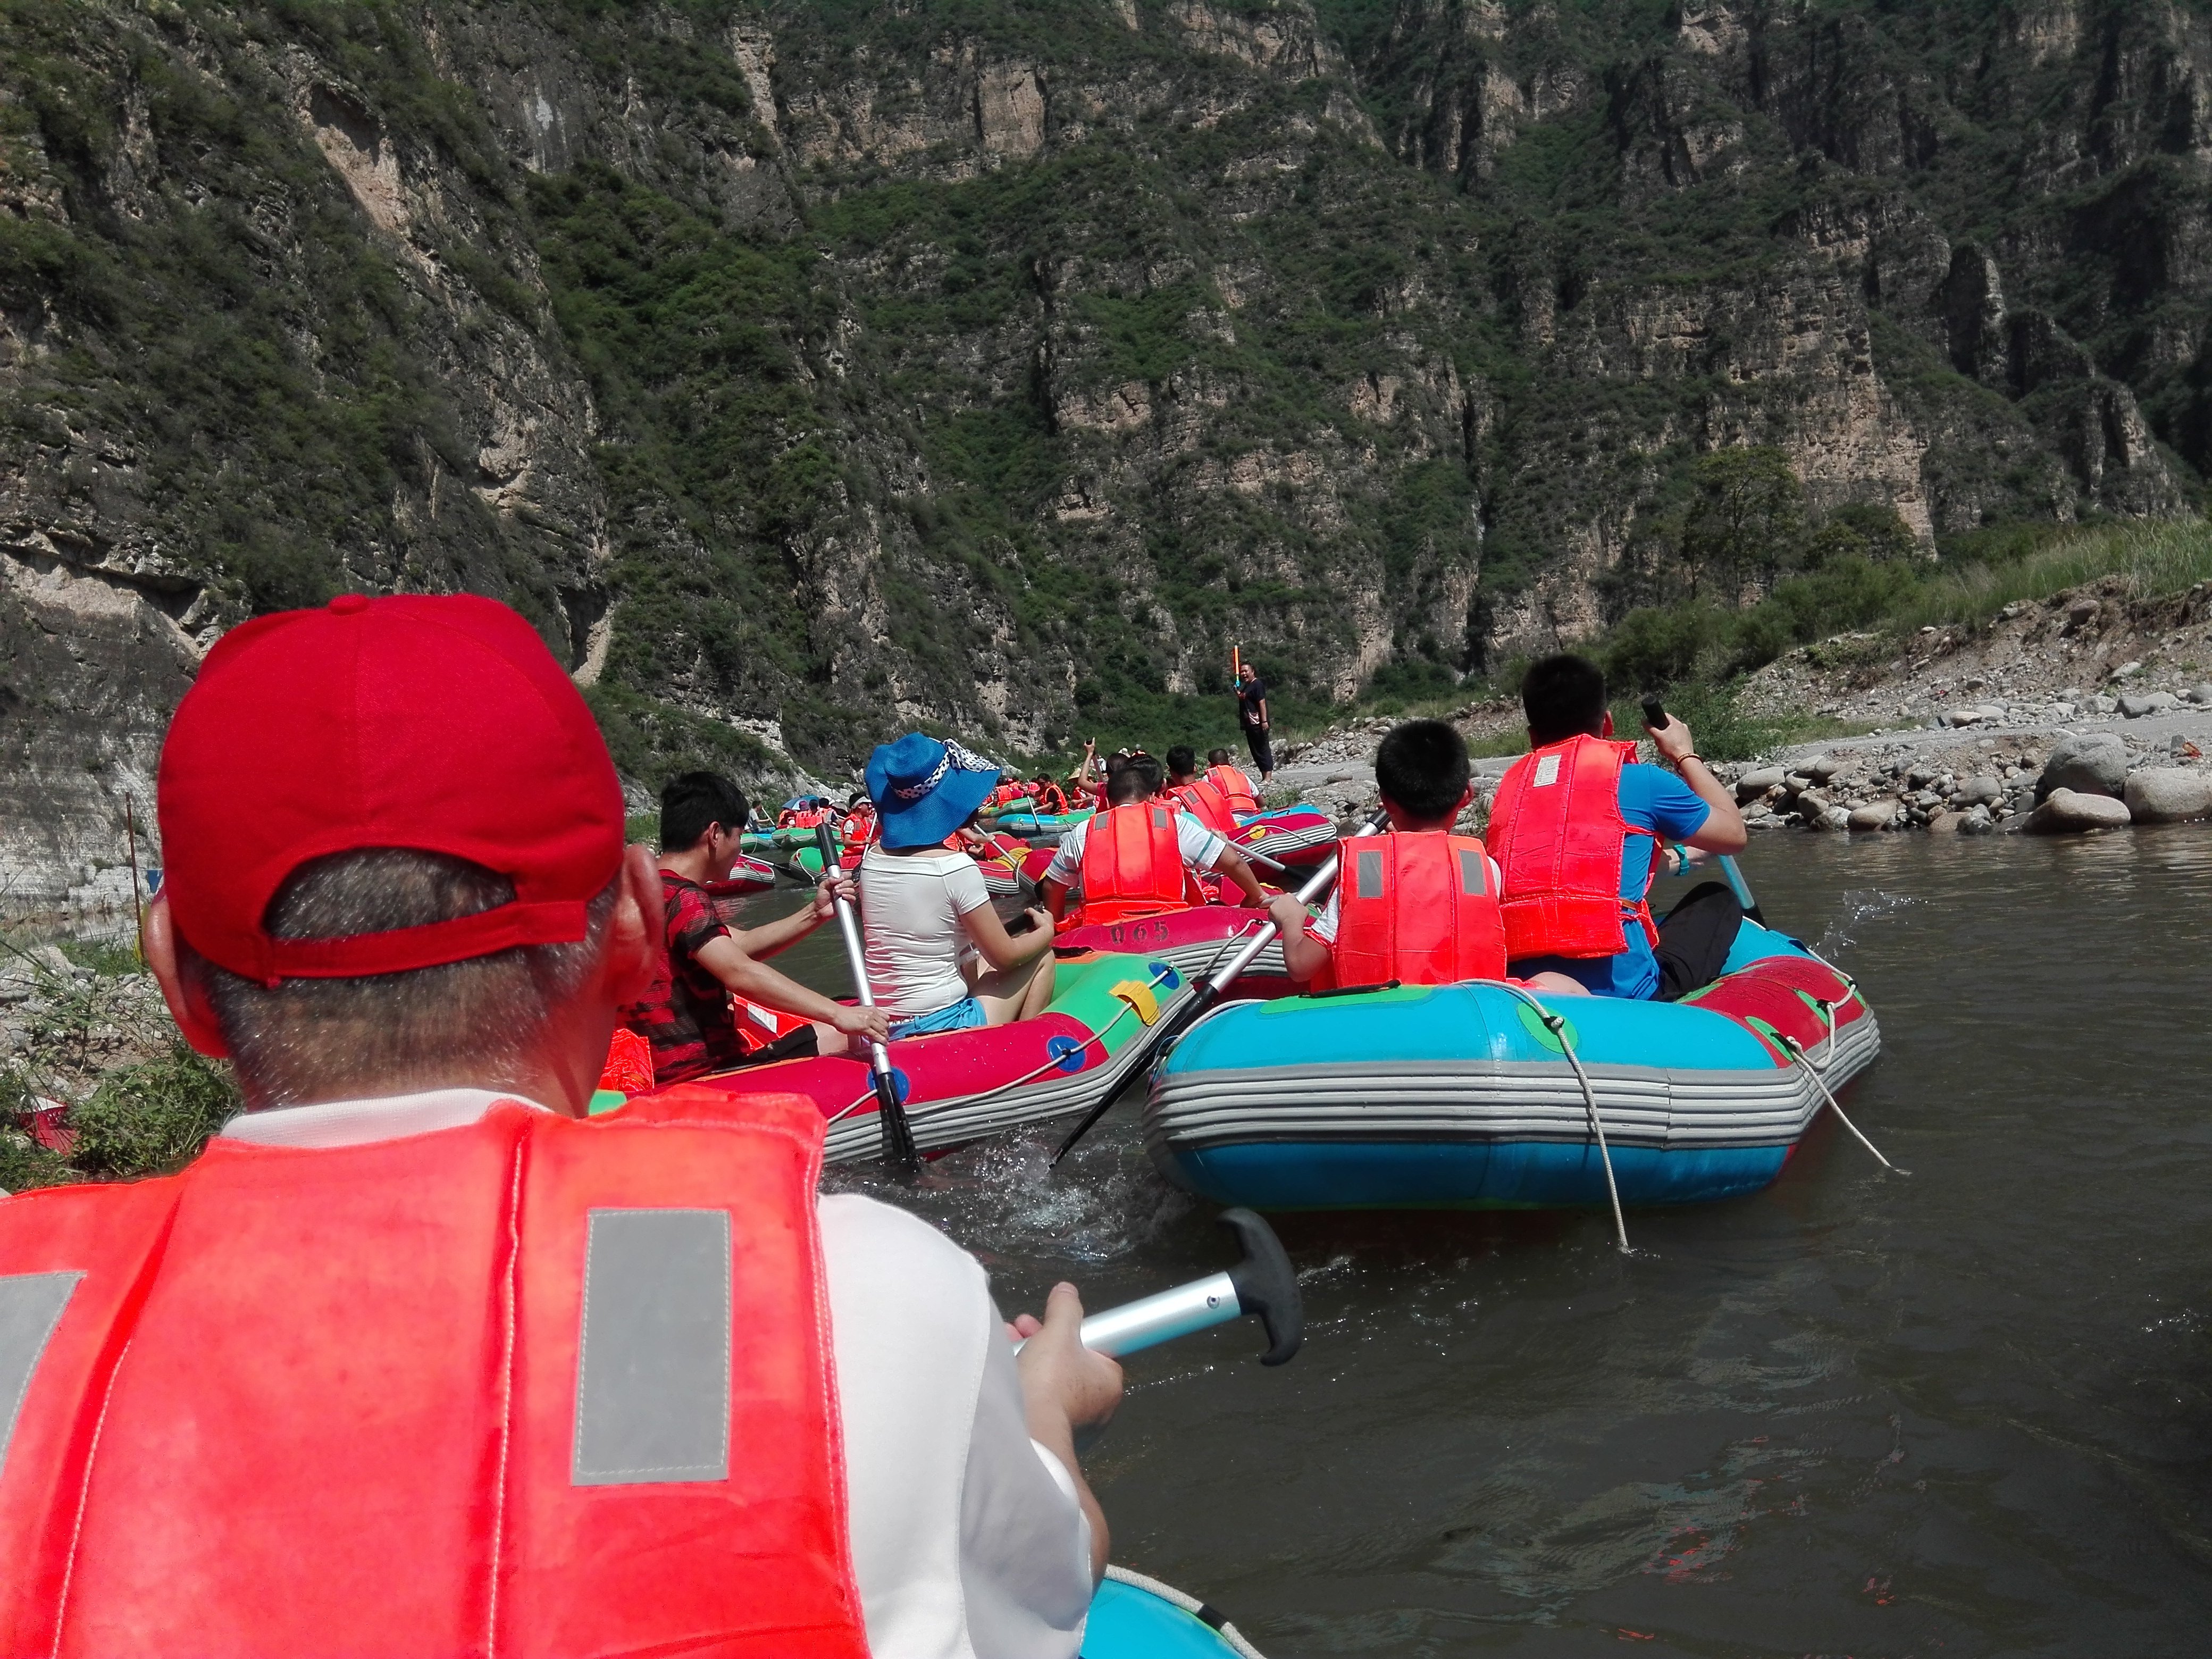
[[804, 371]]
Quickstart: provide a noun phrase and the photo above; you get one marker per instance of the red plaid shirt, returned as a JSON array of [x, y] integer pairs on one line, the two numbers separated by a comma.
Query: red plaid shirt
[[686, 1014]]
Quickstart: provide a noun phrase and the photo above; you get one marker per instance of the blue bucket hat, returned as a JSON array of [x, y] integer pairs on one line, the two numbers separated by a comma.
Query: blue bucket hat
[[924, 790]]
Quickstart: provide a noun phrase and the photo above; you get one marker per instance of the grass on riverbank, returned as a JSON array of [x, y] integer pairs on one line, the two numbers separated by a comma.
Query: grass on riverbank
[[98, 1037], [2153, 559]]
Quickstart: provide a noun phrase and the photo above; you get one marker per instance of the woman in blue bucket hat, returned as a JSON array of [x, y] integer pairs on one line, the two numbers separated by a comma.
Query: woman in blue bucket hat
[[939, 957]]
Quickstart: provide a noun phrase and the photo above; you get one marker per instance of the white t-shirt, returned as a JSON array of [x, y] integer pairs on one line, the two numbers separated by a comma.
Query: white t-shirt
[[968, 1540], [1200, 847], [910, 909]]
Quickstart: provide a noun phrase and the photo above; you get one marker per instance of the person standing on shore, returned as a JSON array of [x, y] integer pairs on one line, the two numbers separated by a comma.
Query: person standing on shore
[[1252, 715], [414, 1360]]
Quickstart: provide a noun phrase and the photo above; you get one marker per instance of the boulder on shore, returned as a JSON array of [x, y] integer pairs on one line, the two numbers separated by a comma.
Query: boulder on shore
[[1752, 784], [2168, 794], [2070, 811], [2089, 763], [2134, 706], [1983, 787], [1874, 815]]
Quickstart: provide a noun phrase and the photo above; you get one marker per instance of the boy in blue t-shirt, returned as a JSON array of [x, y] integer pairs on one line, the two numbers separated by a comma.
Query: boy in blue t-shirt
[[1565, 697]]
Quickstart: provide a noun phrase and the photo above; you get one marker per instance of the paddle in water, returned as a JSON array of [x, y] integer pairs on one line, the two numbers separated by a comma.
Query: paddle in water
[[1263, 1285], [1654, 716], [899, 1149], [1215, 986]]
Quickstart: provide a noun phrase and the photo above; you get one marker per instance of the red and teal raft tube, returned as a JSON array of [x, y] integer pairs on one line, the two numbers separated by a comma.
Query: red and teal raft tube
[[1462, 1097], [963, 1086]]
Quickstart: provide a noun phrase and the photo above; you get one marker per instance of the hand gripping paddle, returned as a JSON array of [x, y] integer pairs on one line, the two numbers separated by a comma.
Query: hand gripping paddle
[[1654, 716], [899, 1149]]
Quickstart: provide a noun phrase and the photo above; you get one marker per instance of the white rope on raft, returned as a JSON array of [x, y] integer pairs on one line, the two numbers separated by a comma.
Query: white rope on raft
[[1797, 1052], [1557, 1025], [1053, 1064]]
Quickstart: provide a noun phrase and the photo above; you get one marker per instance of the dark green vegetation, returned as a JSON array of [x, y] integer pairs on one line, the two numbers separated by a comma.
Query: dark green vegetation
[[993, 364], [143, 1101]]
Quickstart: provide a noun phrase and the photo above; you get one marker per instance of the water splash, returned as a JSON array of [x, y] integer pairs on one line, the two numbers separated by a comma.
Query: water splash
[[1855, 909]]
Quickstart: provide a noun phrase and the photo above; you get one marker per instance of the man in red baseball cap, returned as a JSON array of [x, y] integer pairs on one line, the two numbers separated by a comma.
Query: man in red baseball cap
[[412, 1354]]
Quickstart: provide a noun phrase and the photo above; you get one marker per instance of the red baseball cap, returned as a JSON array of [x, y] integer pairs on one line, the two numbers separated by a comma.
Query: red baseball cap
[[437, 724]]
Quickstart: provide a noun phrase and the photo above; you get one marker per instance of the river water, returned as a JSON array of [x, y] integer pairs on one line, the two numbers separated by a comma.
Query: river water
[[1965, 1412]]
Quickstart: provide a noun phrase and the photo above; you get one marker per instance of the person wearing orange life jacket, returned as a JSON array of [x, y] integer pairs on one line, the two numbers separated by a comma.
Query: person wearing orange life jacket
[[1576, 825], [1418, 905], [342, 1382], [1137, 857], [1198, 796], [1225, 775]]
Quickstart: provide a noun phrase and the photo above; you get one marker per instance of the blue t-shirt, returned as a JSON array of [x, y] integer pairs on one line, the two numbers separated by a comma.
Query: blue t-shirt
[[1651, 797]]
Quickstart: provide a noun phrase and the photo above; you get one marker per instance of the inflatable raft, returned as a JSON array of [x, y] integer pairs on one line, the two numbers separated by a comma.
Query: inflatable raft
[[1134, 1617], [748, 876], [961, 1087], [1192, 940], [1038, 824], [1459, 1097], [1300, 837]]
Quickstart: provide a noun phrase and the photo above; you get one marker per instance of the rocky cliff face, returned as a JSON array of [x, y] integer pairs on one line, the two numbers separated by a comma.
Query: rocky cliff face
[[804, 371]]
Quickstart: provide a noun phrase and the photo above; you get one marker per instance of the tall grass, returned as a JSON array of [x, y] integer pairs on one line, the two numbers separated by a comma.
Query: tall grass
[[2153, 559]]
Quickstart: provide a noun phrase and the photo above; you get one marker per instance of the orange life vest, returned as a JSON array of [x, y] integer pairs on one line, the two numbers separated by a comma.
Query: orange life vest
[[1415, 907], [1203, 801], [857, 828], [529, 1387], [1235, 788], [1051, 798], [801, 817], [1558, 834], [1132, 864]]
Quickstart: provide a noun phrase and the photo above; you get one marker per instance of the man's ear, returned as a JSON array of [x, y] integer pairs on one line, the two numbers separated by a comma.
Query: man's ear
[[188, 1003], [1466, 800], [1605, 730], [634, 931]]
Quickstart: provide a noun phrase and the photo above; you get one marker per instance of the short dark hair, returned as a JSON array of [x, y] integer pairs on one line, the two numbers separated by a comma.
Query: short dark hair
[[692, 802], [310, 1039], [1220, 757], [1182, 761], [1137, 778], [1564, 696], [1422, 766]]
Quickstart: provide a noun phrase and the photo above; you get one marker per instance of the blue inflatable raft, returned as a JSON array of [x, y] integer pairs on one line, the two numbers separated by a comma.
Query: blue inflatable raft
[[1462, 1097], [1134, 1617]]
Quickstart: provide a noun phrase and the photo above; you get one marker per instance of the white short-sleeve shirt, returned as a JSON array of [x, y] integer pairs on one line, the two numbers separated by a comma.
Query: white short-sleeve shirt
[[911, 910], [1200, 847]]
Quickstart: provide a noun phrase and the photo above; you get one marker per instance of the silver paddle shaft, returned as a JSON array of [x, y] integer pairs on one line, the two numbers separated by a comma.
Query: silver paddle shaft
[[879, 1058], [1248, 953], [1150, 1321]]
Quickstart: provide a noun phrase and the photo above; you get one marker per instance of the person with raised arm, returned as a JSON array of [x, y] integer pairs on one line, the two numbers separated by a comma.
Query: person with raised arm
[[413, 1359], [1576, 827]]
